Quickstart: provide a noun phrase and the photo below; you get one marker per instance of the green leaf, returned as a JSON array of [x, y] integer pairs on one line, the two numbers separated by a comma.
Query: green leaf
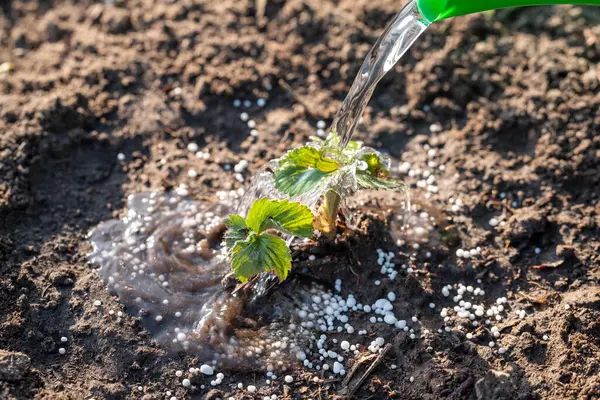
[[368, 181], [235, 222], [309, 157], [295, 181], [302, 170], [376, 176], [332, 145], [374, 165], [261, 253], [283, 215], [237, 230], [353, 146]]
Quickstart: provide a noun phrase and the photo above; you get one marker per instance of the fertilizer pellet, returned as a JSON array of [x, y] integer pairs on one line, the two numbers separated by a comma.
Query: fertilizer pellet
[[206, 369], [193, 147]]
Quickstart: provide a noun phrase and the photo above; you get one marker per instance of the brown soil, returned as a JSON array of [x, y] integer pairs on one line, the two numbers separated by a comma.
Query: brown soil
[[516, 93]]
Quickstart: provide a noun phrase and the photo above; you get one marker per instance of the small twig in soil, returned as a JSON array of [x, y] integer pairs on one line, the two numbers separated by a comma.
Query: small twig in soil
[[461, 389], [538, 300], [354, 256], [548, 265], [45, 290], [355, 274], [357, 262], [347, 390], [355, 368], [539, 285]]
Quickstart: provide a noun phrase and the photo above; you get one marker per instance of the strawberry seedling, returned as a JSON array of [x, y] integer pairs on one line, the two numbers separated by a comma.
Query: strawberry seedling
[[318, 170], [321, 169], [254, 244]]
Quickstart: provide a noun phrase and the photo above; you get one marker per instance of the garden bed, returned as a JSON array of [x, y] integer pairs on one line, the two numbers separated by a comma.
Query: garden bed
[[501, 108]]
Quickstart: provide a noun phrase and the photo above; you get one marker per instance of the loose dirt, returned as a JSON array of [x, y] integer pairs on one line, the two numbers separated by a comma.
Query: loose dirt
[[514, 99]]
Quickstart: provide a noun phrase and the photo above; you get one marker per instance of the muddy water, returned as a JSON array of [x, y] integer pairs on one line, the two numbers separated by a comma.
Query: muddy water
[[165, 262]]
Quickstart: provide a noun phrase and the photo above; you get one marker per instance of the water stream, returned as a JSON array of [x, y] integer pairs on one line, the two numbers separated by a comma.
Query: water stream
[[395, 40]]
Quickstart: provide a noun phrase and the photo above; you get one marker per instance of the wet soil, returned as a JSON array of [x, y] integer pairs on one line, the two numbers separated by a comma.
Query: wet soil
[[516, 97]]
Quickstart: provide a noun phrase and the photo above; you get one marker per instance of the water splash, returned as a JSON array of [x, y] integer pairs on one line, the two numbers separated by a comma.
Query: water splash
[[395, 40], [165, 262]]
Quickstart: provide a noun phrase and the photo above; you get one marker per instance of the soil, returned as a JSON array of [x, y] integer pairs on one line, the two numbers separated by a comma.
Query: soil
[[514, 99]]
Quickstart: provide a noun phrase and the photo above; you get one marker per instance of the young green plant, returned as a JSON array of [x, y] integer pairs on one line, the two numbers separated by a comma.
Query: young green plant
[[322, 170], [319, 171], [254, 244]]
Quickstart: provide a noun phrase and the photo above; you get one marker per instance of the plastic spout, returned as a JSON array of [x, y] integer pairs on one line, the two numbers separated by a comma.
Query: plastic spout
[[436, 10]]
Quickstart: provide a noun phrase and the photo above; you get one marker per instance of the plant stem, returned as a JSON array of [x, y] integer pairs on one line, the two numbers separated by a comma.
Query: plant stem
[[328, 213]]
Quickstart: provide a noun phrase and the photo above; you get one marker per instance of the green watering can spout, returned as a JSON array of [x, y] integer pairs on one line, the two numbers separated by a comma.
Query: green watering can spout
[[435, 10]]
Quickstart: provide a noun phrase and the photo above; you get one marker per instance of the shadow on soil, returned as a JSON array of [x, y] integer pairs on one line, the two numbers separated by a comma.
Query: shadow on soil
[[70, 181]]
